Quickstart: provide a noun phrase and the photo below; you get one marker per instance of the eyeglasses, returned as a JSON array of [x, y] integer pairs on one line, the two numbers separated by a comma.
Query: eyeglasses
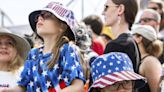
[[45, 15], [107, 6], [146, 20], [125, 85]]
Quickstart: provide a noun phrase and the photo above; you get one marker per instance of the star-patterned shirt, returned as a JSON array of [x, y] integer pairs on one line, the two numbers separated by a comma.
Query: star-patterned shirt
[[36, 77]]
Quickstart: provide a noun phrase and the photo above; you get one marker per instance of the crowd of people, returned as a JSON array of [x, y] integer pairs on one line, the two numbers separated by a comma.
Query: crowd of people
[[121, 54]]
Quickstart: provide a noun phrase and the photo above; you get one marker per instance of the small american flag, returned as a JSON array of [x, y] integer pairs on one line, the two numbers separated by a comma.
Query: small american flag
[[112, 67]]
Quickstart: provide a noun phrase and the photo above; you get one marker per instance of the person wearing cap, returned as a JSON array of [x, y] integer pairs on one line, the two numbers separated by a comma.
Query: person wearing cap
[[13, 52], [150, 48], [55, 66], [113, 72]]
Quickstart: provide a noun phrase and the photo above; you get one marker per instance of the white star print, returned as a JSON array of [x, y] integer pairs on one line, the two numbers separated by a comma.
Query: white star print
[[118, 62], [34, 68], [76, 63], [35, 78], [66, 79], [104, 66], [73, 67], [116, 68], [41, 62], [56, 66], [112, 57], [109, 71], [33, 56], [81, 74], [31, 83], [111, 64], [38, 90], [72, 54], [59, 78], [48, 84], [44, 73]]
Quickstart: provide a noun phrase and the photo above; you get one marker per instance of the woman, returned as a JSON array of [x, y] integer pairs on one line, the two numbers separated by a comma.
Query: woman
[[150, 49], [113, 72], [55, 67], [120, 15], [13, 52]]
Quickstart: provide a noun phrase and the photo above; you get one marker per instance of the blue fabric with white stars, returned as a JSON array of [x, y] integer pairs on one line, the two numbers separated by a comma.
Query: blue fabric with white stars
[[36, 76]]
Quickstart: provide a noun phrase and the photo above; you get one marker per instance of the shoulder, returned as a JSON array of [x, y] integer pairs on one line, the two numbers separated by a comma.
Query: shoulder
[[150, 62]]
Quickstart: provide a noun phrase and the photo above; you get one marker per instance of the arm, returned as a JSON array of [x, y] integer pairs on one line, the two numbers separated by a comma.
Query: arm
[[152, 71], [15, 89], [76, 86]]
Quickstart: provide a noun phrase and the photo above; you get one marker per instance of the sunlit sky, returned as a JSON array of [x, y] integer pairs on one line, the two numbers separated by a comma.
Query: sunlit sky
[[18, 10]]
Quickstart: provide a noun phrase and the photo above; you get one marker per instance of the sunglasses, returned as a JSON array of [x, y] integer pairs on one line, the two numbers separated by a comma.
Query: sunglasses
[[107, 6], [146, 20]]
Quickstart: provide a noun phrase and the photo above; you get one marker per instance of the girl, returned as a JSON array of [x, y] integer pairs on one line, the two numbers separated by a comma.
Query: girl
[[54, 67]]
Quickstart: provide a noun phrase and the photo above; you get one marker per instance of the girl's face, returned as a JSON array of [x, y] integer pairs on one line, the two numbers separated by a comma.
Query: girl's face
[[47, 24], [8, 50], [110, 13], [122, 86]]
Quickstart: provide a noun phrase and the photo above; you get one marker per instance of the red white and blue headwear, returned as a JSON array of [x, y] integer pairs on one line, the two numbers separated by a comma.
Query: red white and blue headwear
[[58, 10], [113, 67]]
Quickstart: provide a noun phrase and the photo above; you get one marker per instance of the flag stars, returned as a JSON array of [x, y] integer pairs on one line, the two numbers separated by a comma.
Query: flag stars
[[109, 71], [56, 66], [111, 64], [44, 73], [81, 74], [41, 62], [118, 62], [72, 54], [66, 79], [97, 71], [73, 67], [112, 57], [34, 57], [34, 68], [31, 84], [104, 67], [59, 77], [38, 90], [116, 68], [48, 84]]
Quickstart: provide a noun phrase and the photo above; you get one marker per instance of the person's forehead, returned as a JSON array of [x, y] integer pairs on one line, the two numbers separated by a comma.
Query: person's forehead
[[152, 4], [147, 14]]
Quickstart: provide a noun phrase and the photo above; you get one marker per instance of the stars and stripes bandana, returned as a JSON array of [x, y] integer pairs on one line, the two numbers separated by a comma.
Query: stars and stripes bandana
[[110, 68]]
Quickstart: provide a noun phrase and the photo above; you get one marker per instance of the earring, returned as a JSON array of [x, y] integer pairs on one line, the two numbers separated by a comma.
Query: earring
[[119, 19]]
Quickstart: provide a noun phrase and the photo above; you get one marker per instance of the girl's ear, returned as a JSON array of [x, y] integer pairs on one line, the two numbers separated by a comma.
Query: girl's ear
[[138, 39], [121, 10]]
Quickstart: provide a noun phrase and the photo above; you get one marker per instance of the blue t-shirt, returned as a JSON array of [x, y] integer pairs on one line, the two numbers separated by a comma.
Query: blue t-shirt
[[36, 77]]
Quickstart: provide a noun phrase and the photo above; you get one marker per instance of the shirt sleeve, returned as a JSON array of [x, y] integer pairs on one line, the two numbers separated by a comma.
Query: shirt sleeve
[[72, 68], [26, 74]]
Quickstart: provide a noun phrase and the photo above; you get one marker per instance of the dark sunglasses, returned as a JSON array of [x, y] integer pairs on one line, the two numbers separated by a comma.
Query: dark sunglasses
[[107, 6], [147, 20]]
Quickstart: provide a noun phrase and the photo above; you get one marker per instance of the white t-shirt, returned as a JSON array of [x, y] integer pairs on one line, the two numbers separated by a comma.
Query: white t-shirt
[[8, 79]]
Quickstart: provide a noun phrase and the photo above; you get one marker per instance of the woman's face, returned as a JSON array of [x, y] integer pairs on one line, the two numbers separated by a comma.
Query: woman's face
[[110, 13], [122, 86], [8, 50], [47, 24]]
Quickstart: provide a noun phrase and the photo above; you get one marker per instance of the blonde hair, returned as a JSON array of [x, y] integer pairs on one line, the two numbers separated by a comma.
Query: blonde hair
[[16, 63], [154, 48]]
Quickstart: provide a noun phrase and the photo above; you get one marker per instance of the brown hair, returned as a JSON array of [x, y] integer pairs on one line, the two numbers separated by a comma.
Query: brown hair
[[131, 9], [63, 37], [154, 48]]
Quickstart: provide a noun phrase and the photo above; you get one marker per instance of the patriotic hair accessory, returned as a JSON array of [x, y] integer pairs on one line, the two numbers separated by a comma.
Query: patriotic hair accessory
[[59, 11], [113, 67]]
